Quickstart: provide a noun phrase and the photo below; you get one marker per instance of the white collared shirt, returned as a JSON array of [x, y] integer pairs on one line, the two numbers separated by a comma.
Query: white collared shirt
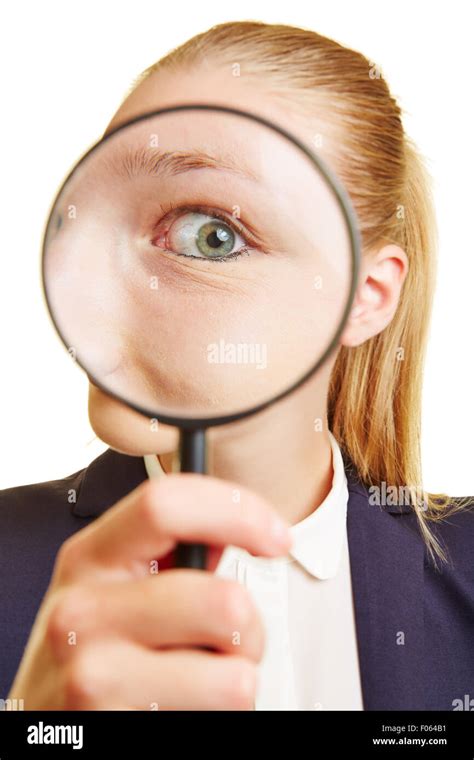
[[305, 600]]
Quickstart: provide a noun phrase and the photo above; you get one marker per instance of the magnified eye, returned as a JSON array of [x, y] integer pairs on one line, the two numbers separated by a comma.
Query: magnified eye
[[201, 236]]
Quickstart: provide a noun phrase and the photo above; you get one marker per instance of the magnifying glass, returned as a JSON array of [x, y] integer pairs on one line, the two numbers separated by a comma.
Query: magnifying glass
[[200, 262]]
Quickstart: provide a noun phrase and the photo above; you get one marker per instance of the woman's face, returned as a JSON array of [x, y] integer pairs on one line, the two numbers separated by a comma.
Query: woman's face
[[205, 264]]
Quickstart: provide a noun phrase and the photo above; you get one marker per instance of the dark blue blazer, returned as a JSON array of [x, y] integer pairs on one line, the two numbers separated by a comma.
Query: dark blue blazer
[[415, 624]]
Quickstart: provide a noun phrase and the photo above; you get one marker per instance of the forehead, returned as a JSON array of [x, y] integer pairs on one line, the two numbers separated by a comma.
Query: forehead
[[216, 84]]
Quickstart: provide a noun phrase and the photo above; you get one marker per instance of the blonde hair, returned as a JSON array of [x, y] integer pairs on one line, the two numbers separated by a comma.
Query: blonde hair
[[374, 402]]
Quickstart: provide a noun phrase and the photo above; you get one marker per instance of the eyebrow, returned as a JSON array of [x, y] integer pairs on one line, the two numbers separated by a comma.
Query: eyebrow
[[136, 162]]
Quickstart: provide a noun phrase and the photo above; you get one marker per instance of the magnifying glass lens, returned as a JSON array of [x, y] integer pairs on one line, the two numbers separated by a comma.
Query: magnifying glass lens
[[198, 263]]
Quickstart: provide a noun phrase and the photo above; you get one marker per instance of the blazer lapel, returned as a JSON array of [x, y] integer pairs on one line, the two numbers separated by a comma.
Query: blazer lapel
[[106, 480], [387, 568]]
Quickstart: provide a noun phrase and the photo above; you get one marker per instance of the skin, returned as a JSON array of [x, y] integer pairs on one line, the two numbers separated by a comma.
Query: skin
[[148, 628]]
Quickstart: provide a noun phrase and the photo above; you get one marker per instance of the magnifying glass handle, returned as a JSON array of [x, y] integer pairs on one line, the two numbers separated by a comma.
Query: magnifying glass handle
[[192, 458]]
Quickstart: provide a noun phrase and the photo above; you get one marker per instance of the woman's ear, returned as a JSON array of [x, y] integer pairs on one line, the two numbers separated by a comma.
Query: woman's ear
[[381, 279]]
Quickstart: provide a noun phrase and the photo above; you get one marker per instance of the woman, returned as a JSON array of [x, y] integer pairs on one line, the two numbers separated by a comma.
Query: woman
[[328, 595]]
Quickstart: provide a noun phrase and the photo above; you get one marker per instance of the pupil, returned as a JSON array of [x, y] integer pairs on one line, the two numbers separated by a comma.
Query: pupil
[[213, 240]]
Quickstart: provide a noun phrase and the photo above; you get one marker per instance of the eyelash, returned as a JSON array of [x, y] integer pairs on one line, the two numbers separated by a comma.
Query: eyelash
[[209, 211]]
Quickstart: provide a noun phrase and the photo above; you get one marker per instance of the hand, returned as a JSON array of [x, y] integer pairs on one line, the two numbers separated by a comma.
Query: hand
[[113, 634]]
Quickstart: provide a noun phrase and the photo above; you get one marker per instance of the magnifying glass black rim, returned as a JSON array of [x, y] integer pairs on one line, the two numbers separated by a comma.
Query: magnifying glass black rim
[[197, 423]]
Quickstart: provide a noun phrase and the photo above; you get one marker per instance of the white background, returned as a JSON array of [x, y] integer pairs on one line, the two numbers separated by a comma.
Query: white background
[[65, 68]]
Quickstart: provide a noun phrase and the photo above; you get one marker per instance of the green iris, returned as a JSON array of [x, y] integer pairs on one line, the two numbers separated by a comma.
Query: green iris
[[215, 240]]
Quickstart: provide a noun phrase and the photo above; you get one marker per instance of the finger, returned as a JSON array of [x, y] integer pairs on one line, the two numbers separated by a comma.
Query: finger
[[119, 673], [185, 608], [149, 522]]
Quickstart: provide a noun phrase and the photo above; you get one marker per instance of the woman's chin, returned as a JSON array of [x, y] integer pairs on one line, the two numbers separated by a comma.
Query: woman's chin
[[127, 431]]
